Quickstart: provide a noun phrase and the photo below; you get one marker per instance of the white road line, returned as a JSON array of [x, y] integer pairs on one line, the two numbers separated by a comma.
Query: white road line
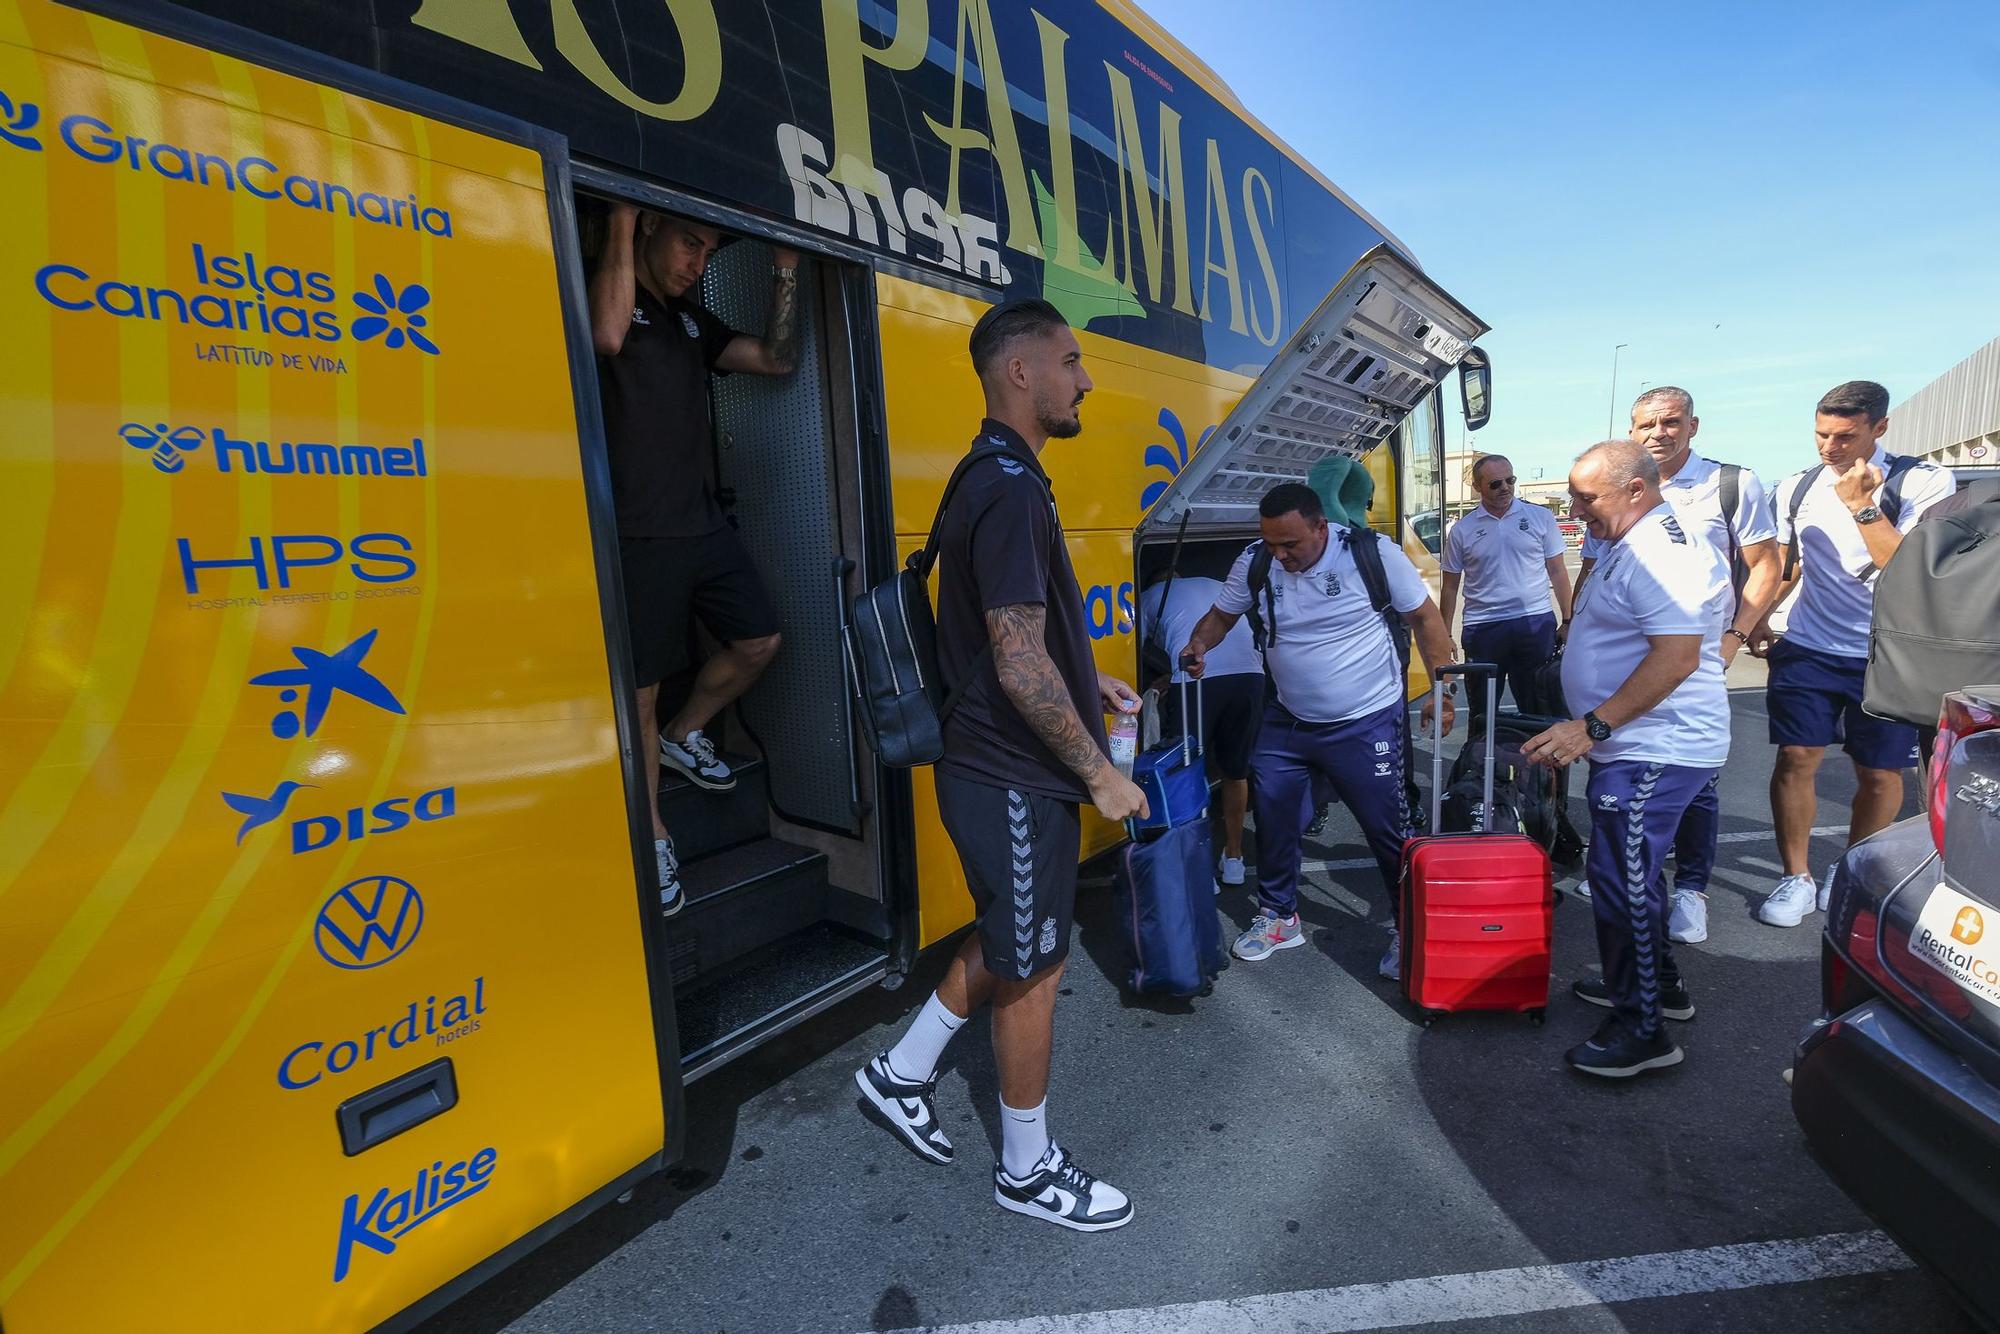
[[1482, 1296], [1740, 836]]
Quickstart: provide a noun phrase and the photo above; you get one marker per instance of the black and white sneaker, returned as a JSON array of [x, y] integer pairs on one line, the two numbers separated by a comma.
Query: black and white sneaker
[[696, 758], [1063, 1193], [1616, 1053], [910, 1109], [1675, 1003], [669, 863]]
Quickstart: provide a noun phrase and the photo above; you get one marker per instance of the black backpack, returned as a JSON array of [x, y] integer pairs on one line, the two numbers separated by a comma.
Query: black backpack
[[1934, 630], [1892, 501], [891, 641], [1365, 545]]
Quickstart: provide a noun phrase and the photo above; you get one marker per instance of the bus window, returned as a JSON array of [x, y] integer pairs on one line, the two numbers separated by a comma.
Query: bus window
[[1417, 443]]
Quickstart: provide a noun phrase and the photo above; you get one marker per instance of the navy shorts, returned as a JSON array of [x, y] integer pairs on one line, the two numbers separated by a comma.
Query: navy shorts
[[1814, 699]]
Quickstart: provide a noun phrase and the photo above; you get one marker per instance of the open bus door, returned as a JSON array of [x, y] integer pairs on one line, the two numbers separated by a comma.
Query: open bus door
[[326, 938], [1372, 352]]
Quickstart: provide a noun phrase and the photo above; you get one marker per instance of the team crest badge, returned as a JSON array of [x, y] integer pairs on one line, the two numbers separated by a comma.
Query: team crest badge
[[1524, 525], [1048, 935], [687, 322], [1332, 584]]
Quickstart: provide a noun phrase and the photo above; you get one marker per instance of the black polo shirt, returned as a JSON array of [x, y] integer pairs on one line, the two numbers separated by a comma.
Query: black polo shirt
[[1001, 544], [656, 427]]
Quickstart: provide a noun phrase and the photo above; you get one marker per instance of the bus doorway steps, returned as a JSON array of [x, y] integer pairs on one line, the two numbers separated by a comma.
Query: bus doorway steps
[[739, 900], [704, 822], [769, 991]]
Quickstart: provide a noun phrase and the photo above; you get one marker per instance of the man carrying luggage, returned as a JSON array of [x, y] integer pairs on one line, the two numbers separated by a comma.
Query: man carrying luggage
[[1509, 556], [656, 347], [1644, 668], [1840, 521], [1724, 505], [1340, 705], [1232, 697], [1023, 748]]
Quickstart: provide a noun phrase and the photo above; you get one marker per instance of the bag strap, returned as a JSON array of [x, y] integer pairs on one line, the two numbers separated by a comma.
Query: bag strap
[[1365, 545], [1262, 630], [922, 561], [1173, 573], [1898, 467], [1798, 498]]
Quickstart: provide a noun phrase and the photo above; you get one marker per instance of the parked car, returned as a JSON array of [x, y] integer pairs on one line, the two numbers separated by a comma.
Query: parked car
[[1429, 528], [1571, 530], [1897, 1084]]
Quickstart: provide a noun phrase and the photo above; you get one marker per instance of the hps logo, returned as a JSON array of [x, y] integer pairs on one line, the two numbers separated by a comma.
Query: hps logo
[[393, 1214], [368, 922]]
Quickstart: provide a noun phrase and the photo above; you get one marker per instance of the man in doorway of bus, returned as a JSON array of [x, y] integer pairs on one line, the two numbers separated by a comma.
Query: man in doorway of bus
[[1340, 705], [1840, 522], [1232, 696], [1509, 555], [656, 347], [1726, 506], [1023, 749], [1644, 667]]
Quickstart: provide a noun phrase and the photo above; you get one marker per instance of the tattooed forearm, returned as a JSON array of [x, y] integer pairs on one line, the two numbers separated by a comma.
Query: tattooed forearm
[[1032, 683], [781, 333]]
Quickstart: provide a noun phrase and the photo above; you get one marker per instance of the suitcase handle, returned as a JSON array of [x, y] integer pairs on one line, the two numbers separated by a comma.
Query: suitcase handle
[[1470, 671], [1191, 723]]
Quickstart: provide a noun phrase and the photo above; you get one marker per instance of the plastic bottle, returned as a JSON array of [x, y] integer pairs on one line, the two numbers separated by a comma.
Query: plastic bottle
[[1124, 735]]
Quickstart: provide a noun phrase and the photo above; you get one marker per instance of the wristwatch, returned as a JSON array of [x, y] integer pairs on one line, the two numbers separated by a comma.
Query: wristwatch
[[1732, 630], [1867, 514], [1599, 729]]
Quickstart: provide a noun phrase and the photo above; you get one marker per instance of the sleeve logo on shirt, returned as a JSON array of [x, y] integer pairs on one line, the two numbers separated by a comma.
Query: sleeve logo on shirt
[[639, 317], [687, 322]]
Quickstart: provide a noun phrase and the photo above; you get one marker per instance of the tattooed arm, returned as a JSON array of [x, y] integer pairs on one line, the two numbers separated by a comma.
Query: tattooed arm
[[1036, 689], [777, 352]]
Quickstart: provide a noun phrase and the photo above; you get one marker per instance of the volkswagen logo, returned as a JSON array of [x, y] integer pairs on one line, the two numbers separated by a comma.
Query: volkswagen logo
[[368, 922]]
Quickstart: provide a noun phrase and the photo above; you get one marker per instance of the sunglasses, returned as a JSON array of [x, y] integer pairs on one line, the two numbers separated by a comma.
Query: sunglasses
[[1499, 482]]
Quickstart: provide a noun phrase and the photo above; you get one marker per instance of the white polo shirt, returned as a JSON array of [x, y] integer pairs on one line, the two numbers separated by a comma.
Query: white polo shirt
[[1655, 580], [1504, 560], [1187, 602], [1331, 657], [1695, 492], [1836, 579]]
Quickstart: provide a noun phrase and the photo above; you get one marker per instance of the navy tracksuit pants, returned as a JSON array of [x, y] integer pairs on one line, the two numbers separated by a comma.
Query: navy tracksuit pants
[[1361, 759], [1694, 841], [1636, 809], [1518, 645]]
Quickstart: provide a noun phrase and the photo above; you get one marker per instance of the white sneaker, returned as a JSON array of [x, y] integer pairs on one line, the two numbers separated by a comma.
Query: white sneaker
[[1790, 903], [696, 758], [1826, 886], [1688, 924], [1232, 870], [1062, 1193], [1391, 965]]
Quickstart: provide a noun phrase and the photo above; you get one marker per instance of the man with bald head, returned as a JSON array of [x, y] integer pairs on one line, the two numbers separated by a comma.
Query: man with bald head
[[1509, 556], [1644, 668]]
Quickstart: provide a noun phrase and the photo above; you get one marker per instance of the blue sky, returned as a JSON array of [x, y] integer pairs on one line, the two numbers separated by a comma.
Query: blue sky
[[1760, 199]]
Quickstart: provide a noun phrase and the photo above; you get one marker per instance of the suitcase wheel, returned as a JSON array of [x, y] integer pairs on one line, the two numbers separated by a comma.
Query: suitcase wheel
[[1429, 1017], [1538, 1017]]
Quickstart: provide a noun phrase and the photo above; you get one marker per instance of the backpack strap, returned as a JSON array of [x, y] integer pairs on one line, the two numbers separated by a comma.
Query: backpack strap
[[922, 560], [1898, 465], [1798, 498], [1366, 549], [1263, 624]]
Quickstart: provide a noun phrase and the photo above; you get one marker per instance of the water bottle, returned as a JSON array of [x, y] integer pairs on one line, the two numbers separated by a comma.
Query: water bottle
[[1124, 732]]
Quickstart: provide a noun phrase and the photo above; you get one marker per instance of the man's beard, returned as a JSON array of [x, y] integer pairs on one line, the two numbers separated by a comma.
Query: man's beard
[[1061, 428]]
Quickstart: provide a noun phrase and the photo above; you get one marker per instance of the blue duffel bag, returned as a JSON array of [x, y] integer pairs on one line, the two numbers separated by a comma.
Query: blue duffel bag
[[1173, 775]]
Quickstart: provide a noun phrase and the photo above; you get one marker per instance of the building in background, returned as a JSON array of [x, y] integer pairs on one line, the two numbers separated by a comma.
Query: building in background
[[1954, 420]]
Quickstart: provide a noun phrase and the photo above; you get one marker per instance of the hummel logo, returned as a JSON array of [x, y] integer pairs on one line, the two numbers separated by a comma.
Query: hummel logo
[[1607, 802], [639, 317], [1382, 769]]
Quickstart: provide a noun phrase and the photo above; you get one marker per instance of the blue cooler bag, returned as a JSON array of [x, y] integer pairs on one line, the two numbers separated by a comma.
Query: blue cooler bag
[[1173, 776], [1166, 906]]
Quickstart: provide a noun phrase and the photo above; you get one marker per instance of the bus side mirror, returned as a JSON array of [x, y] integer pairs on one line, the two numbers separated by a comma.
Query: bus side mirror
[[1475, 387]]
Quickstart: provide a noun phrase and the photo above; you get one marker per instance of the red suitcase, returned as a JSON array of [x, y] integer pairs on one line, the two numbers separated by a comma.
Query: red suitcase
[[1476, 908]]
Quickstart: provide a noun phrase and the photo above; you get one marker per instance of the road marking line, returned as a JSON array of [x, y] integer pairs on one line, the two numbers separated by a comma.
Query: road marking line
[[1487, 1295], [1740, 836]]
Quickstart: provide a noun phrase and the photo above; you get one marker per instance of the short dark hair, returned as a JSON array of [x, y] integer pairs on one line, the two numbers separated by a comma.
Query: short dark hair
[[1291, 498], [1856, 398], [1004, 323]]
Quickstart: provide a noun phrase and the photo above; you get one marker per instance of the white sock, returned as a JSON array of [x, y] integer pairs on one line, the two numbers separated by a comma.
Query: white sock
[[915, 1058], [1024, 1138]]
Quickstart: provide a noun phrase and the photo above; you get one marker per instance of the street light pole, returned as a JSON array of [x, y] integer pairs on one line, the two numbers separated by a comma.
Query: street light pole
[[1611, 416]]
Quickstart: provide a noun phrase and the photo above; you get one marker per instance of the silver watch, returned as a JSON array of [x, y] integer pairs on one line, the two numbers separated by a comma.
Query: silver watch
[[1867, 514]]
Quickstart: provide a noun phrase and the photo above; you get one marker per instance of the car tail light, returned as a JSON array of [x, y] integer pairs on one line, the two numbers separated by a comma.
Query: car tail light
[[1964, 714]]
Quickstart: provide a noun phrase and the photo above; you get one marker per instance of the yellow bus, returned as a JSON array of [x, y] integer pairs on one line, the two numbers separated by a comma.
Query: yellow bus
[[330, 974]]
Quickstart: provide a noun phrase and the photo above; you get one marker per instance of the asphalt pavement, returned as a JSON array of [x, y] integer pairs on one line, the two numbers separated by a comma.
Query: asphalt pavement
[[1302, 1154]]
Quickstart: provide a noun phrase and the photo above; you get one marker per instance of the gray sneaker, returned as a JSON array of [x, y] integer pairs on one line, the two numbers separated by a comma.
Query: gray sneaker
[[1267, 935], [1790, 903], [669, 863], [1688, 923], [696, 758], [1391, 966]]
